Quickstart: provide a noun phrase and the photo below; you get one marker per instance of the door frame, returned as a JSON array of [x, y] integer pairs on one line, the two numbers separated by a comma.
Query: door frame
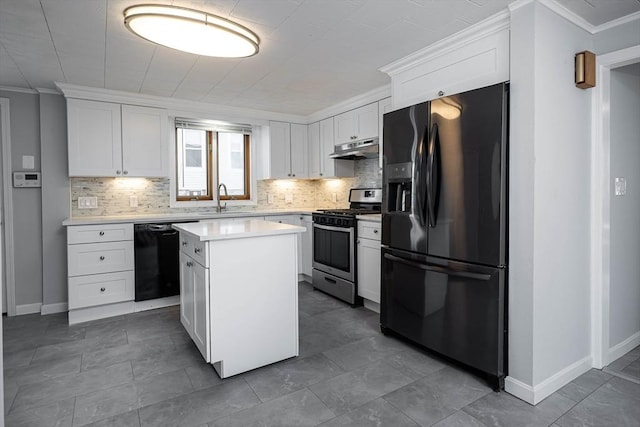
[[600, 206], [7, 207]]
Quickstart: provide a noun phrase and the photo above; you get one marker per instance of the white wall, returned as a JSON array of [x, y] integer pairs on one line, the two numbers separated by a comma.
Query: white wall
[[549, 224], [624, 285]]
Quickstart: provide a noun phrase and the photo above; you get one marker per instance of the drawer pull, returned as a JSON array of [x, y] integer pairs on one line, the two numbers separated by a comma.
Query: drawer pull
[[103, 289], [101, 257], [196, 250], [101, 233]]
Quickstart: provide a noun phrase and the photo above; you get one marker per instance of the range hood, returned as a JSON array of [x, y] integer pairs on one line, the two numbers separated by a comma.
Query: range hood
[[364, 149]]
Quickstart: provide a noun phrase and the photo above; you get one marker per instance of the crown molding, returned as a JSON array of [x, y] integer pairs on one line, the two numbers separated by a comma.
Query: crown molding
[[174, 104], [568, 15], [616, 22], [19, 89], [352, 103], [491, 25], [47, 91]]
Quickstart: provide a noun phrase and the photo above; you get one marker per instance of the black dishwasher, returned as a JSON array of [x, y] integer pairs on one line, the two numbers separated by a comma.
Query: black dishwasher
[[157, 261]]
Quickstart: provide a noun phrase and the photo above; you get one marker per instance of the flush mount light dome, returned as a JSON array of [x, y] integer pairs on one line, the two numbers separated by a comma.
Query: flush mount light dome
[[191, 31]]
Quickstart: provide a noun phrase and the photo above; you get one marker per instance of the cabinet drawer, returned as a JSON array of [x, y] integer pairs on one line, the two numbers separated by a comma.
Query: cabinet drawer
[[194, 248], [99, 233], [98, 289], [369, 230], [95, 258]]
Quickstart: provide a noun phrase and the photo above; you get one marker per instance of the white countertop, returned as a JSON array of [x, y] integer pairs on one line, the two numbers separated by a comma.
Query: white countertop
[[185, 216], [236, 229]]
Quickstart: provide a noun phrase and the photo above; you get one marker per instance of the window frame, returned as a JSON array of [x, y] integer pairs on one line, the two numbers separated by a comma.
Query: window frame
[[209, 148], [247, 170]]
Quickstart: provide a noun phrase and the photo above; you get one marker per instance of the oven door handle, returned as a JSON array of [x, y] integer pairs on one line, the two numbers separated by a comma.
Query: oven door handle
[[330, 228]]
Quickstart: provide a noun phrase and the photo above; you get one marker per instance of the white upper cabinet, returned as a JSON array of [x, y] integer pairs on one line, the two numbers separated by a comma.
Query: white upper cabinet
[[321, 145], [313, 132], [109, 139], [144, 141], [288, 151], [94, 136], [354, 125]]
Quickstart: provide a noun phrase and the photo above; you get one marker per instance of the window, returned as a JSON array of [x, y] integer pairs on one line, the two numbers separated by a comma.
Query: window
[[205, 151]]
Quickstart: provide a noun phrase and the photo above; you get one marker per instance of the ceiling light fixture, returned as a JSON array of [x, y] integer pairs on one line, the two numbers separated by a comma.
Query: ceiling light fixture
[[191, 31]]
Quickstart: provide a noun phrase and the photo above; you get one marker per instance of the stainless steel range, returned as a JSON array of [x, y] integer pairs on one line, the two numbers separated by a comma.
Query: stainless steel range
[[334, 245]]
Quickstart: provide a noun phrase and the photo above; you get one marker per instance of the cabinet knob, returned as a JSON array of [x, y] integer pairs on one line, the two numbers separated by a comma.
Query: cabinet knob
[[118, 172], [440, 93], [189, 263], [196, 250], [288, 174], [320, 173], [101, 257], [358, 241], [293, 174], [101, 233], [125, 172], [184, 243], [103, 289], [375, 231]]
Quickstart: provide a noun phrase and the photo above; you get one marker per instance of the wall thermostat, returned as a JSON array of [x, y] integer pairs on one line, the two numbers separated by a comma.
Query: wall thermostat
[[27, 179]]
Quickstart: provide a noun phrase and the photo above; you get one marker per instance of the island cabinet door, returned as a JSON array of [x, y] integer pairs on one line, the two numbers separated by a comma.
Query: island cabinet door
[[186, 292], [201, 331]]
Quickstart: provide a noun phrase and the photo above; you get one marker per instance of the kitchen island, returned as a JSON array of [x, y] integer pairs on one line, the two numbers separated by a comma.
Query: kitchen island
[[239, 291]]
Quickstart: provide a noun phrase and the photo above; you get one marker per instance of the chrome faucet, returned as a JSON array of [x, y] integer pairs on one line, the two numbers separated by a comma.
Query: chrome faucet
[[219, 208]]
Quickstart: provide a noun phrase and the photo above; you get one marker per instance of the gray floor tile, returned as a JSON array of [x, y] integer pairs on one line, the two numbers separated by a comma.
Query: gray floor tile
[[17, 358], [43, 371], [73, 348], [298, 409], [348, 391], [122, 353], [117, 400], [584, 385], [375, 413], [437, 395], [200, 407], [633, 369], [283, 378], [616, 403], [10, 392], [42, 393], [167, 361], [128, 419], [459, 419], [415, 364], [365, 351], [58, 414], [504, 410], [203, 376]]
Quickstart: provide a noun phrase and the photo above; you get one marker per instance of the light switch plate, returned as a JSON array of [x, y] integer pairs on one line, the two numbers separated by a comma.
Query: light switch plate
[[87, 202], [133, 201], [621, 186], [334, 197]]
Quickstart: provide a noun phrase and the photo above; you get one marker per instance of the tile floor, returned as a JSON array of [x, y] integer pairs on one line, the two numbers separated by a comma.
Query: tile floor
[[142, 370]]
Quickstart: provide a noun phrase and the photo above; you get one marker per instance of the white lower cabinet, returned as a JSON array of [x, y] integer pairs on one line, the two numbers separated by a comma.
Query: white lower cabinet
[[368, 254], [306, 245], [194, 306], [100, 270]]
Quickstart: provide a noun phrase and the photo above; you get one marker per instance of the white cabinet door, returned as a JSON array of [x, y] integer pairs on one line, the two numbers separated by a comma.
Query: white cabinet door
[[315, 165], [384, 106], [292, 220], [306, 245], [201, 305], [331, 168], [186, 293], [369, 269], [367, 119], [299, 155], [354, 125], [94, 138], [280, 150], [144, 142]]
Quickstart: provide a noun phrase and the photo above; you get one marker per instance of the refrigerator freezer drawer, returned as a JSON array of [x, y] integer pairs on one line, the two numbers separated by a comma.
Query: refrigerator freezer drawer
[[453, 308]]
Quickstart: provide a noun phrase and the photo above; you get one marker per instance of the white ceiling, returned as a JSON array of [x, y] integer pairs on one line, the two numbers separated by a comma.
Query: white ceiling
[[313, 53]]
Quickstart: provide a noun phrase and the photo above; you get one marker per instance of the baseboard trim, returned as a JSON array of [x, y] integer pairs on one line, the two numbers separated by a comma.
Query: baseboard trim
[[156, 303], [619, 350], [81, 315], [28, 309], [535, 395], [59, 307]]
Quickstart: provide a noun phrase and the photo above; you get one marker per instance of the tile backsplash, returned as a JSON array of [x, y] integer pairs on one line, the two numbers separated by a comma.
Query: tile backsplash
[[153, 194]]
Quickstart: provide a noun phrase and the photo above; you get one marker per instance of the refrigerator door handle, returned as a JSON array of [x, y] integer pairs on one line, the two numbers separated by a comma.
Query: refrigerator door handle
[[432, 175], [419, 179], [437, 269]]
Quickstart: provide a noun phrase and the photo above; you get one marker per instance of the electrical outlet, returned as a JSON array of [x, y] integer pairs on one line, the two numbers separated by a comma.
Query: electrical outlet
[[288, 198], [133, 201], [334, 197], [271, 198], [87, 202]]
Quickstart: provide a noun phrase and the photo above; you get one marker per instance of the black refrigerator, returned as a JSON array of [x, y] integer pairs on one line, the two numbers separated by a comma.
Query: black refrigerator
[[444, 227]]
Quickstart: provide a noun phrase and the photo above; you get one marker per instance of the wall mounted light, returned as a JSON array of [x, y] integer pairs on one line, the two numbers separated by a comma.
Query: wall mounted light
[[191, 31], [585, 65]]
